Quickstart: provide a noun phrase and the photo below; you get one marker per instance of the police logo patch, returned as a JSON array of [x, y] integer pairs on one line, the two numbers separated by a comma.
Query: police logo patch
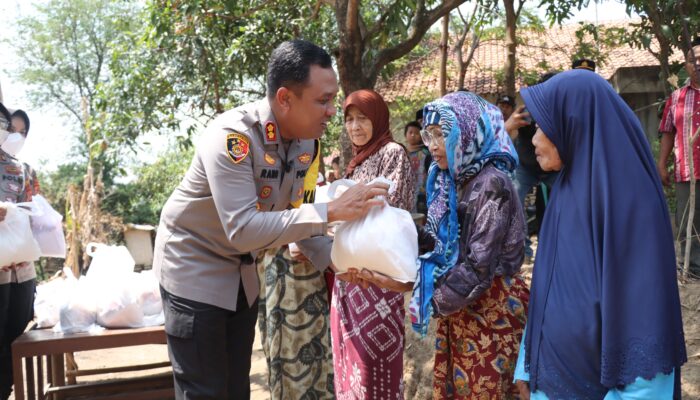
[[304, 158], [12, 169], [265, 192], [270, 132], [269, 159], [237, 147]]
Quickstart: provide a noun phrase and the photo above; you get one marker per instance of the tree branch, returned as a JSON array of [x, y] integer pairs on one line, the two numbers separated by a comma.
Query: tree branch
[[420, 24]]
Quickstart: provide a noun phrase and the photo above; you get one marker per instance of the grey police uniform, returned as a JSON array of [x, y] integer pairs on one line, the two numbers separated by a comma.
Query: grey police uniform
[[233, 201], [14, 188], [16, 287], [224, 210]]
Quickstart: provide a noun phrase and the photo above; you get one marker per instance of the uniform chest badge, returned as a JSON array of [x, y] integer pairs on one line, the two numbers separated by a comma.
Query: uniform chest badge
[[270, 132], [269, 159], [265, 192], [304, 158], [14, 170], [237, 147]]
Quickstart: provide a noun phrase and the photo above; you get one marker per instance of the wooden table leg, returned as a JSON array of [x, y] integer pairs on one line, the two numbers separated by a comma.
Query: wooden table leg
[[40, 377], [18, 376], [29, 367], [58, 375]]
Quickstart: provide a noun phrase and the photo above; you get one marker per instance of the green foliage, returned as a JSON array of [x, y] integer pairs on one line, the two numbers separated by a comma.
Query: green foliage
[[63, 48], [595, 42], [54, 185], [141, 201], [194, 59]]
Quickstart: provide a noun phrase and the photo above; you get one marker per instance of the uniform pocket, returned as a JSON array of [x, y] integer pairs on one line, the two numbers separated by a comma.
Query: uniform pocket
[[178, 323]]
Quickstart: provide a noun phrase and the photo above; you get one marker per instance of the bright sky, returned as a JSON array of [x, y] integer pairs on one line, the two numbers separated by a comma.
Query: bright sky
[[51, 136]]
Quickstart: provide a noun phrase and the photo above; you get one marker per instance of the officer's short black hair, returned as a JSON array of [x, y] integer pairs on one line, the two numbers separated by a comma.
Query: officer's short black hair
[[414, 124], [695, 42], [290, 63]]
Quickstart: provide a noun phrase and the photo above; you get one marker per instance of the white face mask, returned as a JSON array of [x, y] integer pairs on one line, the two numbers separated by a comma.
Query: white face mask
[[3, 135], [13, 144]]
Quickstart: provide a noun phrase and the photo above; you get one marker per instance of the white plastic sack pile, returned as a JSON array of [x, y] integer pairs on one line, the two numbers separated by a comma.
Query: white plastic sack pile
[[47, 228], [50, 296], [385, 241], [108, 262], [78, 312], [111, 295], [18, 244]]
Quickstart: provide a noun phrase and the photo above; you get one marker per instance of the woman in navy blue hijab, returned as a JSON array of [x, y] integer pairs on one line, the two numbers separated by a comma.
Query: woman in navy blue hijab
[[604, 319]]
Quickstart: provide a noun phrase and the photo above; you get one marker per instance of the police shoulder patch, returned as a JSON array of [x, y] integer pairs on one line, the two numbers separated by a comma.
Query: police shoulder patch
[[237, 147]]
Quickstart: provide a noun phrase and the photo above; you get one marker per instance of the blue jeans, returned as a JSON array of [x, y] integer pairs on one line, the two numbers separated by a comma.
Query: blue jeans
[[525, 180]]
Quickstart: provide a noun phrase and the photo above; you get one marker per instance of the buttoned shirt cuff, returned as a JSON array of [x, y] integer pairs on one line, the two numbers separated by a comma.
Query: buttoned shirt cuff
[[320, 228]]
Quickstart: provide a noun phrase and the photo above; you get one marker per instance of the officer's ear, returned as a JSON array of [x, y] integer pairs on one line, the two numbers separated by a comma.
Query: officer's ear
[[283, 98]]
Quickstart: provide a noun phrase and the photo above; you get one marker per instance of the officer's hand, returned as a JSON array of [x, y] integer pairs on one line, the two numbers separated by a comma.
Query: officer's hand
[[516, 121], [385, 282], [356, 202], [3, 213], [663, 173], [14, 266]]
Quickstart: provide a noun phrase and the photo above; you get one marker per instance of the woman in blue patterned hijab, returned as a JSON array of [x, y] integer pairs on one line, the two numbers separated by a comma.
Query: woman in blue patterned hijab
[[475, 236]]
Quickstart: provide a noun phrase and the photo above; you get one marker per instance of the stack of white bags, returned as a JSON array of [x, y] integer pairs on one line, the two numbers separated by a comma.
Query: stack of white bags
[[110, 295]]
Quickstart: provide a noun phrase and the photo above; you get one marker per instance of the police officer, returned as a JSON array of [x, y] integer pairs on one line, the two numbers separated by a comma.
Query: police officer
[[17, 281], [234, 201]]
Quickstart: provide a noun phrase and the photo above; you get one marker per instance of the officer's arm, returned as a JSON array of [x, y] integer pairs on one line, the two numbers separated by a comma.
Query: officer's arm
[[233, 189]]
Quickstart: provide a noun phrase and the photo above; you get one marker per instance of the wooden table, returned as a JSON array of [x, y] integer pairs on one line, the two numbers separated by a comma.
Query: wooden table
[[46, 346]]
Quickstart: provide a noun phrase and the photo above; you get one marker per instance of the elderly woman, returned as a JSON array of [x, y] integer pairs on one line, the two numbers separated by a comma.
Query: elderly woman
[[604, 319], [476, 233], [367, 322]]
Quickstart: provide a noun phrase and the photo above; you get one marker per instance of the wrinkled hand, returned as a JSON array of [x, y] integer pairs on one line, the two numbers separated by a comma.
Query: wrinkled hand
[[3, 213], [356, 201], [663, 173], [385, 282], [14, 266], [353, 276], [516, 121], [524, 389]]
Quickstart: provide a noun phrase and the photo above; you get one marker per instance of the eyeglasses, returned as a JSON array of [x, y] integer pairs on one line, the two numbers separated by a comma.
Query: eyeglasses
[[428, 137]]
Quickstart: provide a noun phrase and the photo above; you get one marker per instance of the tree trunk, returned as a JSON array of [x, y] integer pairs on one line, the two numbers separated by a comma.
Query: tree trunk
[[509, 67], [443, 54], [664, 53]]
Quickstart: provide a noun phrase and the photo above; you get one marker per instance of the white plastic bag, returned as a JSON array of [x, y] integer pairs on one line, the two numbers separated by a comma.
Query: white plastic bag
[[78, 313], [108, 261], [148, 293], [49, 298], [117, 305], [48, 229], [18, 244], [385, 241]]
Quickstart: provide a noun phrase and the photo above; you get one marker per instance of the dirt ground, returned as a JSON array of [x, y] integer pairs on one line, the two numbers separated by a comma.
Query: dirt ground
[[418, 358]]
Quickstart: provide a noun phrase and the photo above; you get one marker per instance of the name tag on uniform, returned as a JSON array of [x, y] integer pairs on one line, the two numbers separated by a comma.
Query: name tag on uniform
[[269, 174]]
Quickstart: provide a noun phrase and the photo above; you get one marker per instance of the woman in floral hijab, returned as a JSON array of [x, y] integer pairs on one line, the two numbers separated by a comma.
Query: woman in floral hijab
[[470, 279]]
